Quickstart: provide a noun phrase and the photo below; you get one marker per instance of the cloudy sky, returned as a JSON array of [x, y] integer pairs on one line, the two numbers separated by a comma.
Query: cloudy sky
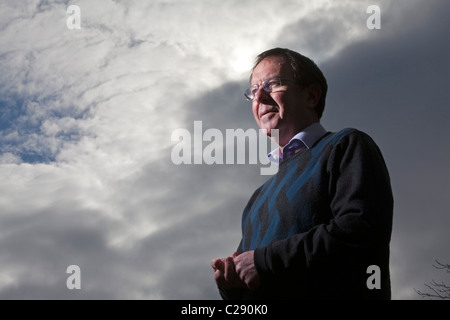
[[87, 116]]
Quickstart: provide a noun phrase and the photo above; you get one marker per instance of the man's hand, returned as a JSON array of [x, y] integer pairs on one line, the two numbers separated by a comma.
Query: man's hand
[[236, 272], [246, 270], [225, 273]]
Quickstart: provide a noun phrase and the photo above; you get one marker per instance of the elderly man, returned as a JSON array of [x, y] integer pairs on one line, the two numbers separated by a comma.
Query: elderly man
[[322, 225]]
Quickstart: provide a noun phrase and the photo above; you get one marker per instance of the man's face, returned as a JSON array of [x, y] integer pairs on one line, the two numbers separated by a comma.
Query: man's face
[[285, 109]]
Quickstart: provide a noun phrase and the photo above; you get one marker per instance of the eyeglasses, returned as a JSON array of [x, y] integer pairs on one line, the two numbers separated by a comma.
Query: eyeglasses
[[269, 85]]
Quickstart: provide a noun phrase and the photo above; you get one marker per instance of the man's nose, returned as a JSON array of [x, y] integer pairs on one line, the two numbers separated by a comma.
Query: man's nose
[[261, 95]]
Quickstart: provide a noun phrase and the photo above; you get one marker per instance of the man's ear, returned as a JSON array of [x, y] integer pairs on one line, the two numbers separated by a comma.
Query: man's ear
[[314, 93]]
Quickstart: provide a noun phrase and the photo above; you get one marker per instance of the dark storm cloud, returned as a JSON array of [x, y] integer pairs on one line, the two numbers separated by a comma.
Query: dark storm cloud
[[38, 248], [197, 221]]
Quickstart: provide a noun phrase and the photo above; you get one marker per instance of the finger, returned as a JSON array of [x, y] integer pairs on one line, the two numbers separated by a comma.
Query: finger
[[235, 254], [238, 265], [219, 278], [229, 269], [217, 264]]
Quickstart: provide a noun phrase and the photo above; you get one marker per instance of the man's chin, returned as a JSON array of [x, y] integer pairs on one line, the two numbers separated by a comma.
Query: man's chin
[[270, 131]]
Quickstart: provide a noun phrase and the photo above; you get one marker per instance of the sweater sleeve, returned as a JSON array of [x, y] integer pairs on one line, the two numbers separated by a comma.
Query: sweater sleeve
[[361, 204]]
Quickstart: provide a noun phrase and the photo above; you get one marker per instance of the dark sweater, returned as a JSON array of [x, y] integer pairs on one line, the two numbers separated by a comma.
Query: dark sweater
[[320, 222]]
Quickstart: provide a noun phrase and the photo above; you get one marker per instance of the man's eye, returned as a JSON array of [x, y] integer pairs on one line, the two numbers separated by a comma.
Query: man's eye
[[273, 84]]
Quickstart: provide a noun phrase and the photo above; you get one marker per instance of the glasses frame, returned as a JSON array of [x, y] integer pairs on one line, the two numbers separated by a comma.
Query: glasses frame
[[248, 93]]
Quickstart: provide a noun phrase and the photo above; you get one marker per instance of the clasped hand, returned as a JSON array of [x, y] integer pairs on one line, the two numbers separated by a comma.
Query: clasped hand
[[237, 271]]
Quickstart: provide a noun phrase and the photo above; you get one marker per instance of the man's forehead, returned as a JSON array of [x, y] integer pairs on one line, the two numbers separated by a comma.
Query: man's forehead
[[270, 67]]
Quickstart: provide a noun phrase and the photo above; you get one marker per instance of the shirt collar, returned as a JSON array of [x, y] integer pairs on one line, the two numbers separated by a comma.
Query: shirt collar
[[308, 136]]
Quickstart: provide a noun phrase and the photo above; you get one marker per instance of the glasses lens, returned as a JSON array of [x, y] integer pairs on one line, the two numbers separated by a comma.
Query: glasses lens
[[271, 84], [248, 94]]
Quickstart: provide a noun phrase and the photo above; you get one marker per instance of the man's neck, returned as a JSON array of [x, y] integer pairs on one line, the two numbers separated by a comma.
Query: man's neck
[[286, 137]]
